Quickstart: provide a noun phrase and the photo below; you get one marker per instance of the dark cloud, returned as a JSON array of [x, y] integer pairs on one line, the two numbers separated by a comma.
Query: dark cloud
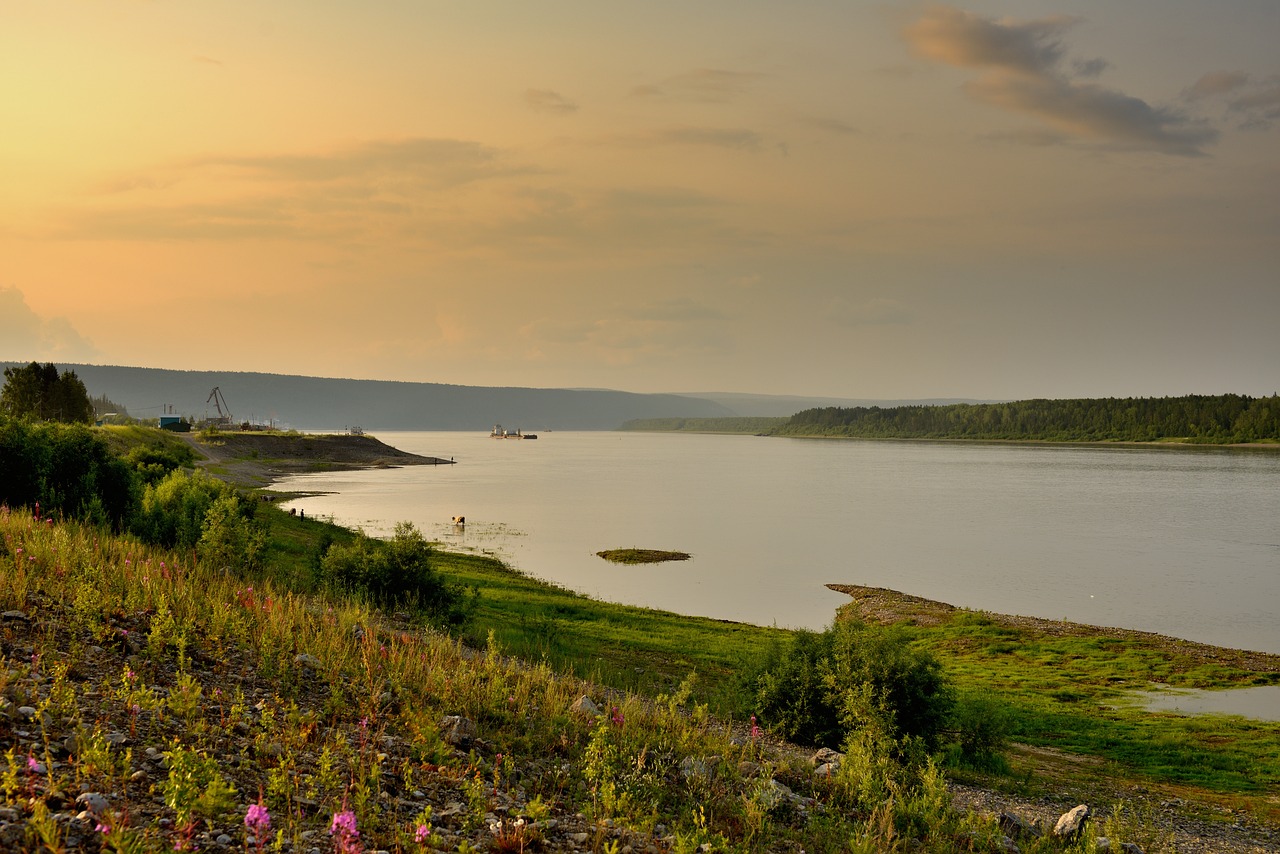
[[1260, 108], [26, 336], [1090, 67], [705, 85], [1021, 65], [546, 101]]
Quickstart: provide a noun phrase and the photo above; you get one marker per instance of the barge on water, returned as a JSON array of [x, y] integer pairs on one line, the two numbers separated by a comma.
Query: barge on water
[[499, 433]]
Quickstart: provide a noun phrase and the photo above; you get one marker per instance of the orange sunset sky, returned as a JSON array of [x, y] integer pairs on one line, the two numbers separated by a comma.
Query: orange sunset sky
[[996, 200]]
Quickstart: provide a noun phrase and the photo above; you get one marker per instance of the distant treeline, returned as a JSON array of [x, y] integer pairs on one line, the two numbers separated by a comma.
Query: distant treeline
[[1208, 419], [704, 425]]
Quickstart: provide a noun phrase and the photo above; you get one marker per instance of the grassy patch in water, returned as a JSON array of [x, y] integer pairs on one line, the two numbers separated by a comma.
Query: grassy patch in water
[[641, 555]]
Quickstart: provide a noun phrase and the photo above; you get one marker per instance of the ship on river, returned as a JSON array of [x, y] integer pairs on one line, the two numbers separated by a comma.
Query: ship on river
[[500, 433]]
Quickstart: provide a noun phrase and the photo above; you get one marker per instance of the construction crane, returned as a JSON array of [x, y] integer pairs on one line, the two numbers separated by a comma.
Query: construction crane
[[220, 403]]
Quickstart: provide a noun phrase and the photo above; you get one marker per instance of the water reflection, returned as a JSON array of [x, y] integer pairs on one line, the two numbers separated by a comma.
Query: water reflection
[[1260, 703]]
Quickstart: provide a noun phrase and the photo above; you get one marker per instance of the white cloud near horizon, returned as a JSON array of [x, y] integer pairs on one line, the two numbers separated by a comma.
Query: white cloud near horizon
[[26, 336]]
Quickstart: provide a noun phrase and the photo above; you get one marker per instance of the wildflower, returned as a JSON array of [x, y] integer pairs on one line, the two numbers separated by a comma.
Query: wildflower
[[32, 765], [258, 822], [422, 834], [617, 717], [343, 829], [755, 730], [102, 828]]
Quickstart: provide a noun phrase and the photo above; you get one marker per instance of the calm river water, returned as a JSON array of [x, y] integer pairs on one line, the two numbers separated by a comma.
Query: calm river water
[[1181, 542]]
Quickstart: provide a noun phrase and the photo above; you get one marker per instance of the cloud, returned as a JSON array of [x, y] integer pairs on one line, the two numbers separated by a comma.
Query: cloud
[[878, 311], [438, 162], [1021, 71], [1261, 107], [26, 336], [1216, 83], [292, 195], [702, 85], [546, 101], [209, 60], [736, 139]]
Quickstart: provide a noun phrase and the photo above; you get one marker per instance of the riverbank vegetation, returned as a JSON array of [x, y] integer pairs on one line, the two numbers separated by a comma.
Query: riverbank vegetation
[[204, 659], [1199, 419], [750, 425]]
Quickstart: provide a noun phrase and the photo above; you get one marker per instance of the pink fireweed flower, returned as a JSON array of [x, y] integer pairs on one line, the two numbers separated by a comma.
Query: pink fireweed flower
[[102, 828], [617, 717], [422, 834], [344, 833], [32, 765], [258, 822], [755, 730]]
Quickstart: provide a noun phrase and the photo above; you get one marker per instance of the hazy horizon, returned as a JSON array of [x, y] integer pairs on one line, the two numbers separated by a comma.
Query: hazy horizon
[[893, 201]]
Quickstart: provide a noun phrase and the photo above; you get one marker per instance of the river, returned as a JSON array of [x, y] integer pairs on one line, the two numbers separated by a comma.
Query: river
[[1184, 542]]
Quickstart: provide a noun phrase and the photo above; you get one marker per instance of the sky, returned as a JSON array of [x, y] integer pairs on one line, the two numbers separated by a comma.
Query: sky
[[998, 200]]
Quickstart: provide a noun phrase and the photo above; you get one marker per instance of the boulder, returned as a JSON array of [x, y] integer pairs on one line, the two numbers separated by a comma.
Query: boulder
[[1071, 823], [457, 730], [584, 708]]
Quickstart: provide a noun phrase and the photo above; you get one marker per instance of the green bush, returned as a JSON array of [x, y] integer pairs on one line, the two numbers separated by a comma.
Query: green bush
[[397, 572], [66, 469], [173, 510], [853, 678]]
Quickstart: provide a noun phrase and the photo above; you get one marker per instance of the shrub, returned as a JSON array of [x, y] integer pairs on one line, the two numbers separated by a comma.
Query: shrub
[[397, 572], [853, 677]]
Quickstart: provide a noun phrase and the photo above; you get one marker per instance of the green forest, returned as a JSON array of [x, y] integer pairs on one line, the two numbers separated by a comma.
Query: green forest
[[1202, 419]]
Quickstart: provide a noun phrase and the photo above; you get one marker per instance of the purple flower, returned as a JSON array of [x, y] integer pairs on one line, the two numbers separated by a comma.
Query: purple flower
[[102, 828], [258, 821], [32, 765], [422, 834], [343, 829]]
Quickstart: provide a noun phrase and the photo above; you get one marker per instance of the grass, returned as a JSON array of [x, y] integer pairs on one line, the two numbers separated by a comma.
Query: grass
[[1066, 693], [641, 555]]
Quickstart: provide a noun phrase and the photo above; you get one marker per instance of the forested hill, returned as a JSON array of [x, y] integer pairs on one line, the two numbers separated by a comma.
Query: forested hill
[[1207, 419], [318, 403]]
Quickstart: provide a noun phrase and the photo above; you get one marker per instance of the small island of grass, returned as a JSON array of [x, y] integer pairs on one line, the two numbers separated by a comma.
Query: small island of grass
[[641, 555]]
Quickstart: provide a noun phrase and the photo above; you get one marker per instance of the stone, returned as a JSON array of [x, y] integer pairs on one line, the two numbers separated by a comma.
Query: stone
[[223, 839], [26, 712], [14, 615], [457, 730], [1071, 823], [1008, 846], [583, 707], [1016, 827], [307, 660], [827, 756], [828, 770], [94, 802]]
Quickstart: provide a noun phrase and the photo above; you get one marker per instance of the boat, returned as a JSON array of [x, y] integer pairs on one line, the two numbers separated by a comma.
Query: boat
[[499, 433]]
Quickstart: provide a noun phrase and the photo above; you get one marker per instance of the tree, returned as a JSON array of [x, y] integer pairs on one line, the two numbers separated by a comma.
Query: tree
[[39, 393]]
